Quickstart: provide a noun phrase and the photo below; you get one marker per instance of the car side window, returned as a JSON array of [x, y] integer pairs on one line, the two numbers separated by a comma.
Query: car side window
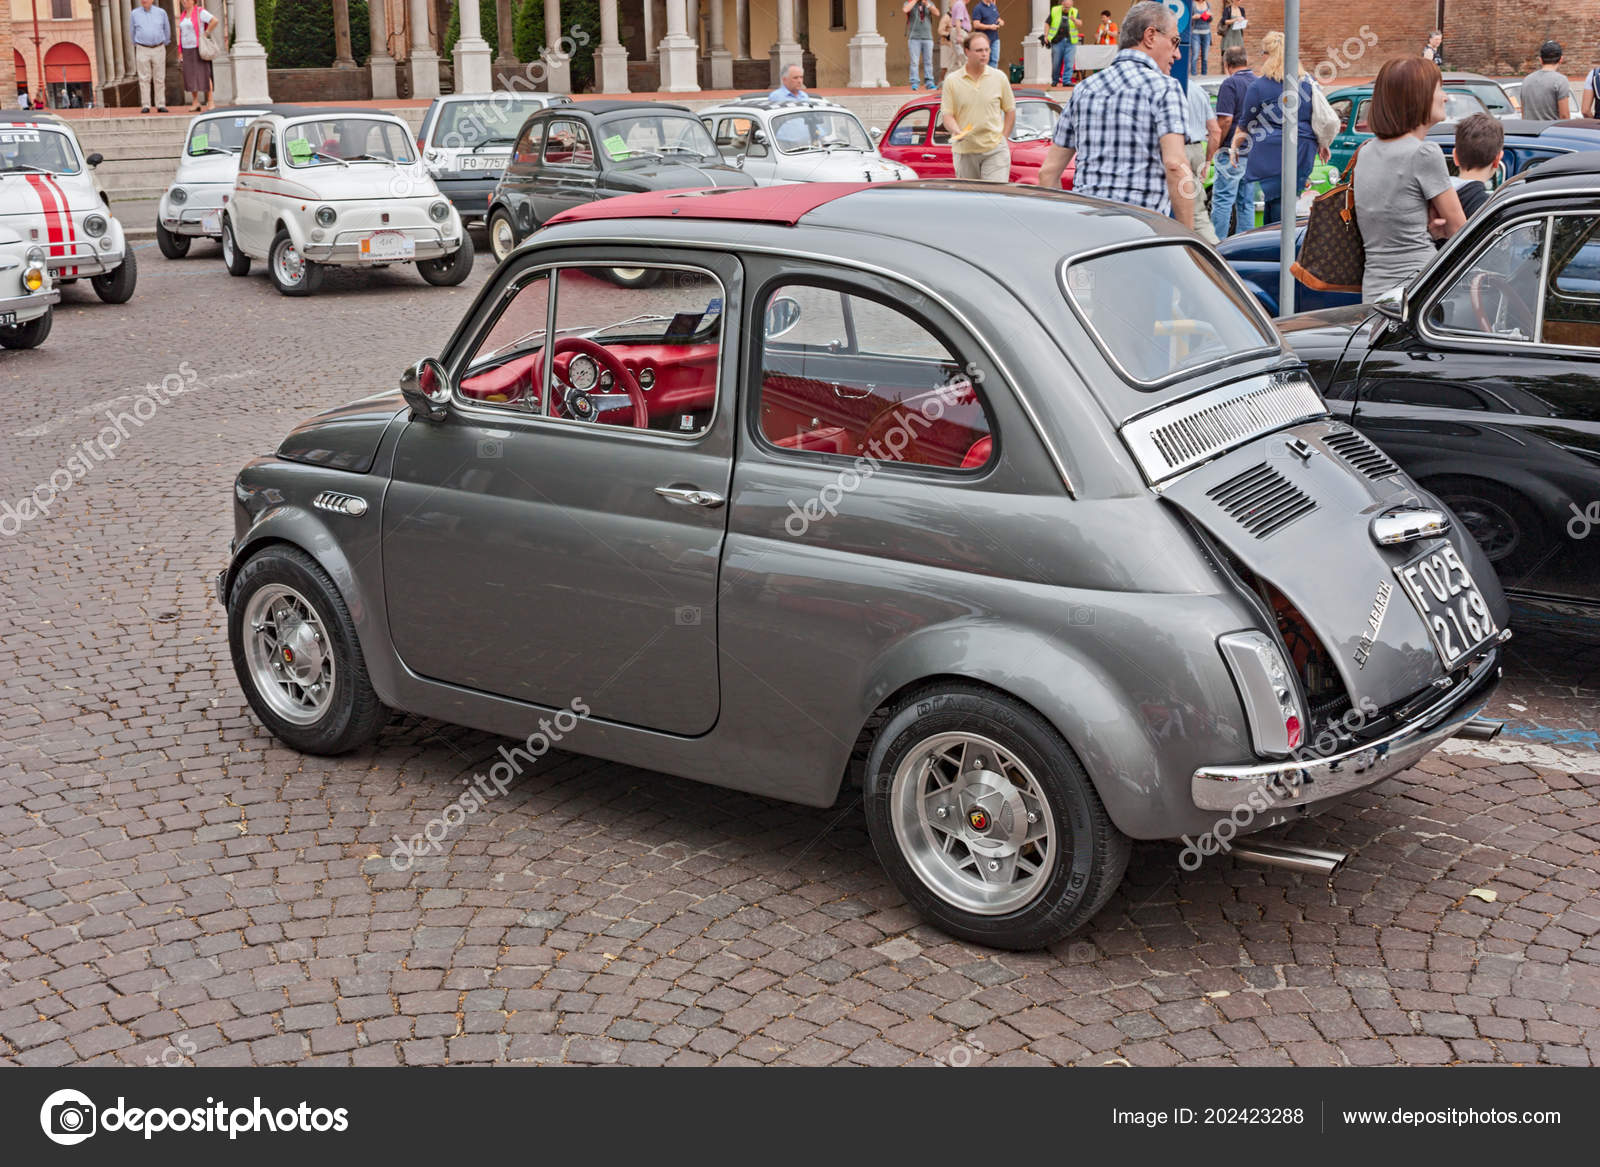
[[911, 130], [529, 143], [733, 135], [568, 144], [1495, 296], [1572, 300], [1341, 109], [847, 374], [1361, 116], [506, 365], [266, 155]]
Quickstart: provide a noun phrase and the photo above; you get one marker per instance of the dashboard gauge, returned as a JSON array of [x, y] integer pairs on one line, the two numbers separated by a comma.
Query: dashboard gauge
[[582, 373], [605, 381], [647, 377]]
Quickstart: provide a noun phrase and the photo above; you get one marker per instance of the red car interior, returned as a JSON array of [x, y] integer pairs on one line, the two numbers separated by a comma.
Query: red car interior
[[685, 379], [943, 426]]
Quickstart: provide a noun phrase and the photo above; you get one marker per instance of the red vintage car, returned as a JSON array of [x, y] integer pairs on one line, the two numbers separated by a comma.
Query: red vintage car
[[917, 139]]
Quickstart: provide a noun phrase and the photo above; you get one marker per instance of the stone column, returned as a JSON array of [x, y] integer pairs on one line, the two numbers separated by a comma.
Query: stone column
[[505, 62], [869, 52], [104, 52], [786, 49], [124, 12], [222, 63], [611, 61], [677, 53], [424, 60], [721, 58], [342, 56], [741, 17], [1035, 56], [249, 58], [380, 65], [472, 52], [557, 65]]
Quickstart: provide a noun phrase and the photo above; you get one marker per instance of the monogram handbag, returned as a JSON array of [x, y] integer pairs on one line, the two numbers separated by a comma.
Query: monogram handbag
[[1332, 256]]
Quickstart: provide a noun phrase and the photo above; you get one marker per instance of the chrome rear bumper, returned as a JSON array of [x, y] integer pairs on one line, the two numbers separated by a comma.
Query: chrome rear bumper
[[1300, 782]]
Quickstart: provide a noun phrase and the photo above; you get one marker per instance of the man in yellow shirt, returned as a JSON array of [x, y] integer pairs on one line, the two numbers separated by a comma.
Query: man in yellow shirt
[[978, 110]]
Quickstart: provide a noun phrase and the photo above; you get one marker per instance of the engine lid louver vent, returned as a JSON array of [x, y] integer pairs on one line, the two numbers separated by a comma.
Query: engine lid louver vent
[[1362, 454], [1187, 433], [1261, 500]]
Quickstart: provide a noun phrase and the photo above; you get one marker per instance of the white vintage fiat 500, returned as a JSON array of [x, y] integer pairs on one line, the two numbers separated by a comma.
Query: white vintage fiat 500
[[191, 208], [26, 294], [338, 187], [50, 196]]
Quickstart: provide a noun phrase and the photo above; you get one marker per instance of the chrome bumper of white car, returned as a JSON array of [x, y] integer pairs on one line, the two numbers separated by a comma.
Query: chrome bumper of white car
[[82, 258], [188, 221], [1297, 782], [29, 307], [428, 244]]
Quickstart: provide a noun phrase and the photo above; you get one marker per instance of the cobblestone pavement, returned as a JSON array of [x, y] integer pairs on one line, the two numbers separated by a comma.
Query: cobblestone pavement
[[176, 887]]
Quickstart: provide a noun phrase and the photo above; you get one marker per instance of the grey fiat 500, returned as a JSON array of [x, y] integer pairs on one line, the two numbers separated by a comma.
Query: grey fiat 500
[[1049, 545]]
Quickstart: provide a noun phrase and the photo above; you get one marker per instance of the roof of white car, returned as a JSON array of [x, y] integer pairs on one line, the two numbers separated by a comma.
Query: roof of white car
[[303, 113]]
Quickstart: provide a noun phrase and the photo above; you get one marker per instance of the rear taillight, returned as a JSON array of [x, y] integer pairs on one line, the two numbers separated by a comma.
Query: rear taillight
[[1268, 691]]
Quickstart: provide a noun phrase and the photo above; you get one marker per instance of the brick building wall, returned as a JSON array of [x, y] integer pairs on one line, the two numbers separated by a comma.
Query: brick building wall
[[1503, 36], [8, 71], [1347, 38]]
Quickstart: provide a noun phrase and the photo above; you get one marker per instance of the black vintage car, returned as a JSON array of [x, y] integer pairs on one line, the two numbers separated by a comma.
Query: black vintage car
[[1482, 380], [574, 154]]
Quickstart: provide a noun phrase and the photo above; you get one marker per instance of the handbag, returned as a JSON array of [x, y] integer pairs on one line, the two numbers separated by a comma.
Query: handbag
[[209, 40], [1332, 255]]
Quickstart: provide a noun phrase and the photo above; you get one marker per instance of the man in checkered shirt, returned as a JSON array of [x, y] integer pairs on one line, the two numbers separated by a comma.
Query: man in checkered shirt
[[1127, 124]]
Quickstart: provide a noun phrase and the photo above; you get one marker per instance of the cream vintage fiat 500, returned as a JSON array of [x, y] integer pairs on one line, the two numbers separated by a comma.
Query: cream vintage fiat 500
[[327, 187]]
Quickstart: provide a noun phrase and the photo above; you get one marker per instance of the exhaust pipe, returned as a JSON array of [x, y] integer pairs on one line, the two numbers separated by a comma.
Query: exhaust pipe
[[1310, 860], [1481, 729]]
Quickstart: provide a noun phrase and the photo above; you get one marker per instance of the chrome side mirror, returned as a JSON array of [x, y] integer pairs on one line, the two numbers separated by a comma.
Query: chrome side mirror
[[426, 388], [783, 313], [1392, 304], [876, 132]]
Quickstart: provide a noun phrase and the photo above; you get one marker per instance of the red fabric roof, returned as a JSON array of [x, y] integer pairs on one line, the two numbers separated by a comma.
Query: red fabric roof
[[760, 204]]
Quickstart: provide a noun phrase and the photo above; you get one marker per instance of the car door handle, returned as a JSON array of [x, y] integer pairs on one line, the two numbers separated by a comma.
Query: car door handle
[[930, 156], [689, 496]]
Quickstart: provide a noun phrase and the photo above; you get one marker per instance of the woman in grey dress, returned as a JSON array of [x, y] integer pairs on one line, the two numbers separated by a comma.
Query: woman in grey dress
[[1232, 37]]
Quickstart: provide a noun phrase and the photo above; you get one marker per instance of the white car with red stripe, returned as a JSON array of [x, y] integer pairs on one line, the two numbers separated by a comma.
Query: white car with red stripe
[[50, 196], [338, 187], [26, 293]]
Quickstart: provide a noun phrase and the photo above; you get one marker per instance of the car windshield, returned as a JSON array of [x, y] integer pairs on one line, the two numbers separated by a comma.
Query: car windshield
[[650, 136], [1035, 119], [492, 120], [1493, 97], [37, 149], [1461, 105], [1159, 310], [329, 141], [815, 129], [224, 135]]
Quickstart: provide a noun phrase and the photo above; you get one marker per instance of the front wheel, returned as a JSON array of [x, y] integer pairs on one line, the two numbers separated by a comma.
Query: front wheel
[[238, 262], [29, 335], [292, 273], [985, 819], [502, 234], [172, 246], [116, 286], [449, 270], [296, 654]]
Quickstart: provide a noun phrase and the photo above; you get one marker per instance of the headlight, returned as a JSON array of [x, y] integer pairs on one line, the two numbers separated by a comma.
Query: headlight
[[94, 226], [439, 212], [36, 255], [178, 195], [326, 216], [33, 277], [1271, 696]]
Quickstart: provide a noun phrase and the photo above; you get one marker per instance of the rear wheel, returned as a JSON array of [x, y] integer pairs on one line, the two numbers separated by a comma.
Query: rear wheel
[[116, 286], [986, 821], [172, 246], [1503, 523], [296, 654], [29, 335], [292, 273], [449, 270], [502, 234], [238, 262]]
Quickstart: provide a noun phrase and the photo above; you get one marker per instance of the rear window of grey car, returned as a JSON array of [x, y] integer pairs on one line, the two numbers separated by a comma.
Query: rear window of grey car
[[1159, 311]]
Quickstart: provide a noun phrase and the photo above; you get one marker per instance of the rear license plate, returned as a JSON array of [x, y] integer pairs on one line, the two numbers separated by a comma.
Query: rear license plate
[[1449, 602], [485, 161], [385, 246], [8, 317], [211, 223]]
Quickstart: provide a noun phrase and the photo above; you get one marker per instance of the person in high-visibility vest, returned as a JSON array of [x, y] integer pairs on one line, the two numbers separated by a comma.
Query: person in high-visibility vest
[[1062, 34]]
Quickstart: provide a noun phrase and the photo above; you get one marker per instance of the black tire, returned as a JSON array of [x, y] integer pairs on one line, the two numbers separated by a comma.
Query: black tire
[[1091, 854], [449, 270], [172, 246], [116, 286], [499, 223], [355, 714], [29, 335], [238, 263], [311, 273], [1504, 523]]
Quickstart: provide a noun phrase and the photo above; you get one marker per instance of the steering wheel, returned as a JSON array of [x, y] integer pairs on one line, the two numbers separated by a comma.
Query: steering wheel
[[1509, 296], [607, 360]]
